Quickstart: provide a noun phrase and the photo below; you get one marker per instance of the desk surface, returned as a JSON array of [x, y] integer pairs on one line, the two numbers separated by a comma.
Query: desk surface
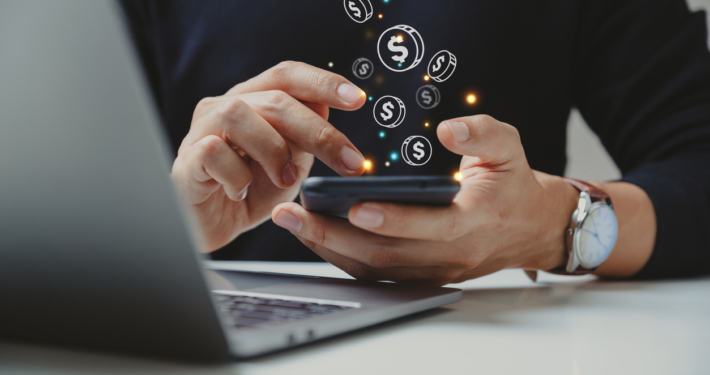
[[504, 324]]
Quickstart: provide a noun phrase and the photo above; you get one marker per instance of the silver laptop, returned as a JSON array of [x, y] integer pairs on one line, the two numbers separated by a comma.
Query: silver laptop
[[95, 250]]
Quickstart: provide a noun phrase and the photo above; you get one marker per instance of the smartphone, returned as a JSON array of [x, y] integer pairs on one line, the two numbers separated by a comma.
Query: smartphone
[[335, 195]]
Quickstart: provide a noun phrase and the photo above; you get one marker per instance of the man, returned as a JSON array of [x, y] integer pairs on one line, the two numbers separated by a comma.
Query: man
[[246, 134]]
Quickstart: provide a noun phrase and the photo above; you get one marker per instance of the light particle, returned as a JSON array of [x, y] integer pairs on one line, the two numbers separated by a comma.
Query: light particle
[[382, 134], [369, 98], [387, 164], [457, 176], [471, 98], [330, 64], [426, 77], [426, 124], [394, 156], [379, 16], [367, 165]]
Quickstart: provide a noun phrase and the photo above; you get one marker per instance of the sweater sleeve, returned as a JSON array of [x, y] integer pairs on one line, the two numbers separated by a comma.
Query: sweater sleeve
[[642, 82]]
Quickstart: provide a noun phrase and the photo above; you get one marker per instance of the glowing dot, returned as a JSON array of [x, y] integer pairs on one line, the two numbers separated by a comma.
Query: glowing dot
[[387, 164], [330, 64], [385, 1], [367, 165], [400, 38], [369, 98], [470, 98], [394, 156], [426, 124], [382, 134], [457, 176], [426, 77], [379, 15], [399, 65]]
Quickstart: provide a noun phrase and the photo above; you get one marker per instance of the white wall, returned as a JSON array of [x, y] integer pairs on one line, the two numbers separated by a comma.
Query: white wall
[[587, 159]]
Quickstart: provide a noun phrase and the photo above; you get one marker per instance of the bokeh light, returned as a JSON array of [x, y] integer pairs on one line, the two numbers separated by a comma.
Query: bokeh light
[[330, 64], [457, 176], [426, 124], [382, 134], [394, 156], [387, 164], [426, 77], [379, 16], [471, 99], [367, 165]]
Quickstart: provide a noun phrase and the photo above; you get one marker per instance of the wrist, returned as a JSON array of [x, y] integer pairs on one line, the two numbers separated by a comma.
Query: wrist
[[558, 200]]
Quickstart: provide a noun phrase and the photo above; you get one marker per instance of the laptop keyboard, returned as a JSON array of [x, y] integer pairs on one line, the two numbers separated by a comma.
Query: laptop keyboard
[[251, 310]]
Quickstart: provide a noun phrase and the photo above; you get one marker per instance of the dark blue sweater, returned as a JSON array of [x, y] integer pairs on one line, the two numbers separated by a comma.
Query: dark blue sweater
[[638, 70]]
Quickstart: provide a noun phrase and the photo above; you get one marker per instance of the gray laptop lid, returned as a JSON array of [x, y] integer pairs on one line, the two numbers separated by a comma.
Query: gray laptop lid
[[93, 248]]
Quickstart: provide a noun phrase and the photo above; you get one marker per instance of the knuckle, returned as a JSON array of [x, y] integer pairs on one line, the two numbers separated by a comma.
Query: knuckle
[[211, 147], [232, 108], [325, 137], [321, 79], [277, 100], [279, 72]]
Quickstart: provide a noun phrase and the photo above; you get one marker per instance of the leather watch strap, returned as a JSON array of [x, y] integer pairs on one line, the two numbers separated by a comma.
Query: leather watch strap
[[594, 192]]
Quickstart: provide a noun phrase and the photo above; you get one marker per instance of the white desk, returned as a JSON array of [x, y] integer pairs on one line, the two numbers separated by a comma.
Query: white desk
[[505, 324]]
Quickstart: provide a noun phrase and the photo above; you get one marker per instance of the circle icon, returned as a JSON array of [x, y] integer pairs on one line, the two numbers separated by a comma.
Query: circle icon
[[363, 68], [358, 10], [428, 96], [389, 111], [400, 48], [416, 150], [442, 66]]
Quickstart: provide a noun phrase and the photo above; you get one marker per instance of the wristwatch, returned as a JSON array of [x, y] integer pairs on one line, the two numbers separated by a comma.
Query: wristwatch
[[592, 230], [591, 234]]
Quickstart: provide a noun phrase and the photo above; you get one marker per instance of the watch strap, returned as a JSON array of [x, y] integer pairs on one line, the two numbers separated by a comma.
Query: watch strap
[[594, 192]]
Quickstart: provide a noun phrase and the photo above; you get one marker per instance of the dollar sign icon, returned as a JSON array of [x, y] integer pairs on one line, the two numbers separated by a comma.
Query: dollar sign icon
[[416, 147], [358, 10], [362, 68], [442, 66], [354, 9], [387, 108], [389, 111], [439, 61], [400, 48], [418, 150], [428, 96]]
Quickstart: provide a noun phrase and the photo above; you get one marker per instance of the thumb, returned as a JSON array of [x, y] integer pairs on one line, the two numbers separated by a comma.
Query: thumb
[[482, 137]]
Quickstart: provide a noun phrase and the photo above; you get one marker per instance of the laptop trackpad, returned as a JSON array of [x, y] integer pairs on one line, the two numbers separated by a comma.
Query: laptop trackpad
[[239, 280]]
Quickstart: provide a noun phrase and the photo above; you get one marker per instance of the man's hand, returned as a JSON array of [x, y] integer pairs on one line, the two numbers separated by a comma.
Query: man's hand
[[505, 216], [260, 138]]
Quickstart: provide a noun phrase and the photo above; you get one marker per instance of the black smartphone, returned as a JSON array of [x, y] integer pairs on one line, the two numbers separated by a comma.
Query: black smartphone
[[335, 195]]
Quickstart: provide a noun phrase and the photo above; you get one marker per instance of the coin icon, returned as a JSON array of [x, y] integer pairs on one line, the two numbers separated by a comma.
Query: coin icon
[[363, 68], [428, 96], [358, 10], [416, 150], [400, 48], [442, 66], [389, 111]]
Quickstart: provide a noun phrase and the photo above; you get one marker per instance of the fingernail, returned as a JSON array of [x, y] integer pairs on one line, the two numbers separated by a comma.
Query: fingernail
[[368, 217], [243, 194], [288, 220], [349, 93], [351, 158], [459, 130], [288, 175]]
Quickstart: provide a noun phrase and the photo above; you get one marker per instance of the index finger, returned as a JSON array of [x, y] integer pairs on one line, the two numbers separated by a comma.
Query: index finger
[[308, 83]]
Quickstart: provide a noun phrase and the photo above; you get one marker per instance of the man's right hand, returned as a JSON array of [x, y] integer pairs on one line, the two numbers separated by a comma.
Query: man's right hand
[[260, 137]]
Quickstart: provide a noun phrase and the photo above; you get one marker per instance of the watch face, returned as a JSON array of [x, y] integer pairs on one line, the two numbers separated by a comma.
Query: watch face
[[597, 235]]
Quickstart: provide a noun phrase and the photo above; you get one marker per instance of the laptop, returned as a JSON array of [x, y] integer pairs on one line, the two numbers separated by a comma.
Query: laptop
[[95, 248]]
